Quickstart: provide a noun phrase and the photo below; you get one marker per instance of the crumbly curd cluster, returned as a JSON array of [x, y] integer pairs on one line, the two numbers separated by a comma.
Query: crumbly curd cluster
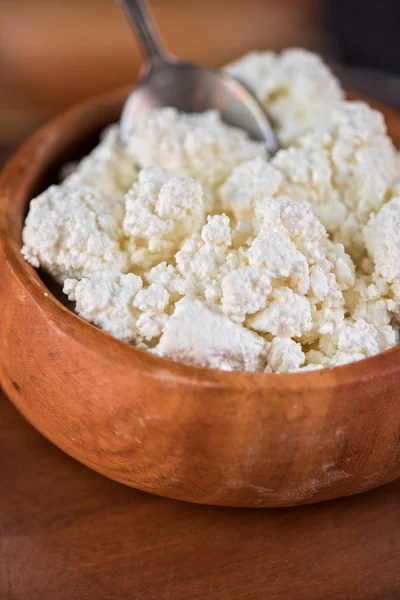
[[192, 243]]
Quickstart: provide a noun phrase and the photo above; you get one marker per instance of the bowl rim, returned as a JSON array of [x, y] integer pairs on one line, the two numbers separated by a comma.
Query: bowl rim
[[33, 158]]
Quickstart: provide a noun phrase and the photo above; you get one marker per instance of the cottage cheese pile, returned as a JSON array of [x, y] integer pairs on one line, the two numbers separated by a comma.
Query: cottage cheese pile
[[195, 245]]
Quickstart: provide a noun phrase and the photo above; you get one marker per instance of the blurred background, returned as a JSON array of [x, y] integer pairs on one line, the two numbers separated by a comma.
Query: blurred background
[[54, 53]]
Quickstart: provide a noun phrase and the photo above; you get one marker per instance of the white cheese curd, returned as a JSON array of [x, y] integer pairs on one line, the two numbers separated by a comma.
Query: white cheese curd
[[248, 183], [107, 301], [75, 232], [205, 258], [244, 291], [192, 244], [108, 168], [198, 145], [353, 341], [120, 306], [364, 166], [284, 356], [296, 88], [287, 315], [345, 169], [382, 239], [200, 334], [160, 212]]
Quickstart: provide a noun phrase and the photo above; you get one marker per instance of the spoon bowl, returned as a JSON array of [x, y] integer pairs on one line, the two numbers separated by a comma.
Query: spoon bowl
[[188, 87]]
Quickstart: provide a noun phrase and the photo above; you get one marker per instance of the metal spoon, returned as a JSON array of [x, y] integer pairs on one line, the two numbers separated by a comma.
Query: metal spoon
[[166, 81]]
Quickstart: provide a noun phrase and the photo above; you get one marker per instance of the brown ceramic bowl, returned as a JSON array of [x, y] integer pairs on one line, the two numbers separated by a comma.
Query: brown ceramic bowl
[[235, 439]]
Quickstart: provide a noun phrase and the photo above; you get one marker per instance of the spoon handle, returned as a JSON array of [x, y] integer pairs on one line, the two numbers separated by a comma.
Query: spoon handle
[[139, 18]]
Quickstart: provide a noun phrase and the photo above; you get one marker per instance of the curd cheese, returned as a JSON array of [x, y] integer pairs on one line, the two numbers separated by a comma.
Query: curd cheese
[[160, 211], [193, 244], [75, 232], [195, 145], [109, 168], [296, 88]]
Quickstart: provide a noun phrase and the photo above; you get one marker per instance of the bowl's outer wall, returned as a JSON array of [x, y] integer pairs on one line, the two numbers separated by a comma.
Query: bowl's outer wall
[[234, 439]]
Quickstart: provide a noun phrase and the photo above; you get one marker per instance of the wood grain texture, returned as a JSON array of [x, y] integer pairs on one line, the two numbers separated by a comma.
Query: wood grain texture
[[236, 439], [67, 533]]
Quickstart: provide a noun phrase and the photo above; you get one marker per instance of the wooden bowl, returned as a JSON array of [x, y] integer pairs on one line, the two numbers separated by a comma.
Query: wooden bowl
[[234, 439]]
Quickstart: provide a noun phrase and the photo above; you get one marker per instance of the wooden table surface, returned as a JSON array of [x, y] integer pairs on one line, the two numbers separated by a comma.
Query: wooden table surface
[[67, 533]]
